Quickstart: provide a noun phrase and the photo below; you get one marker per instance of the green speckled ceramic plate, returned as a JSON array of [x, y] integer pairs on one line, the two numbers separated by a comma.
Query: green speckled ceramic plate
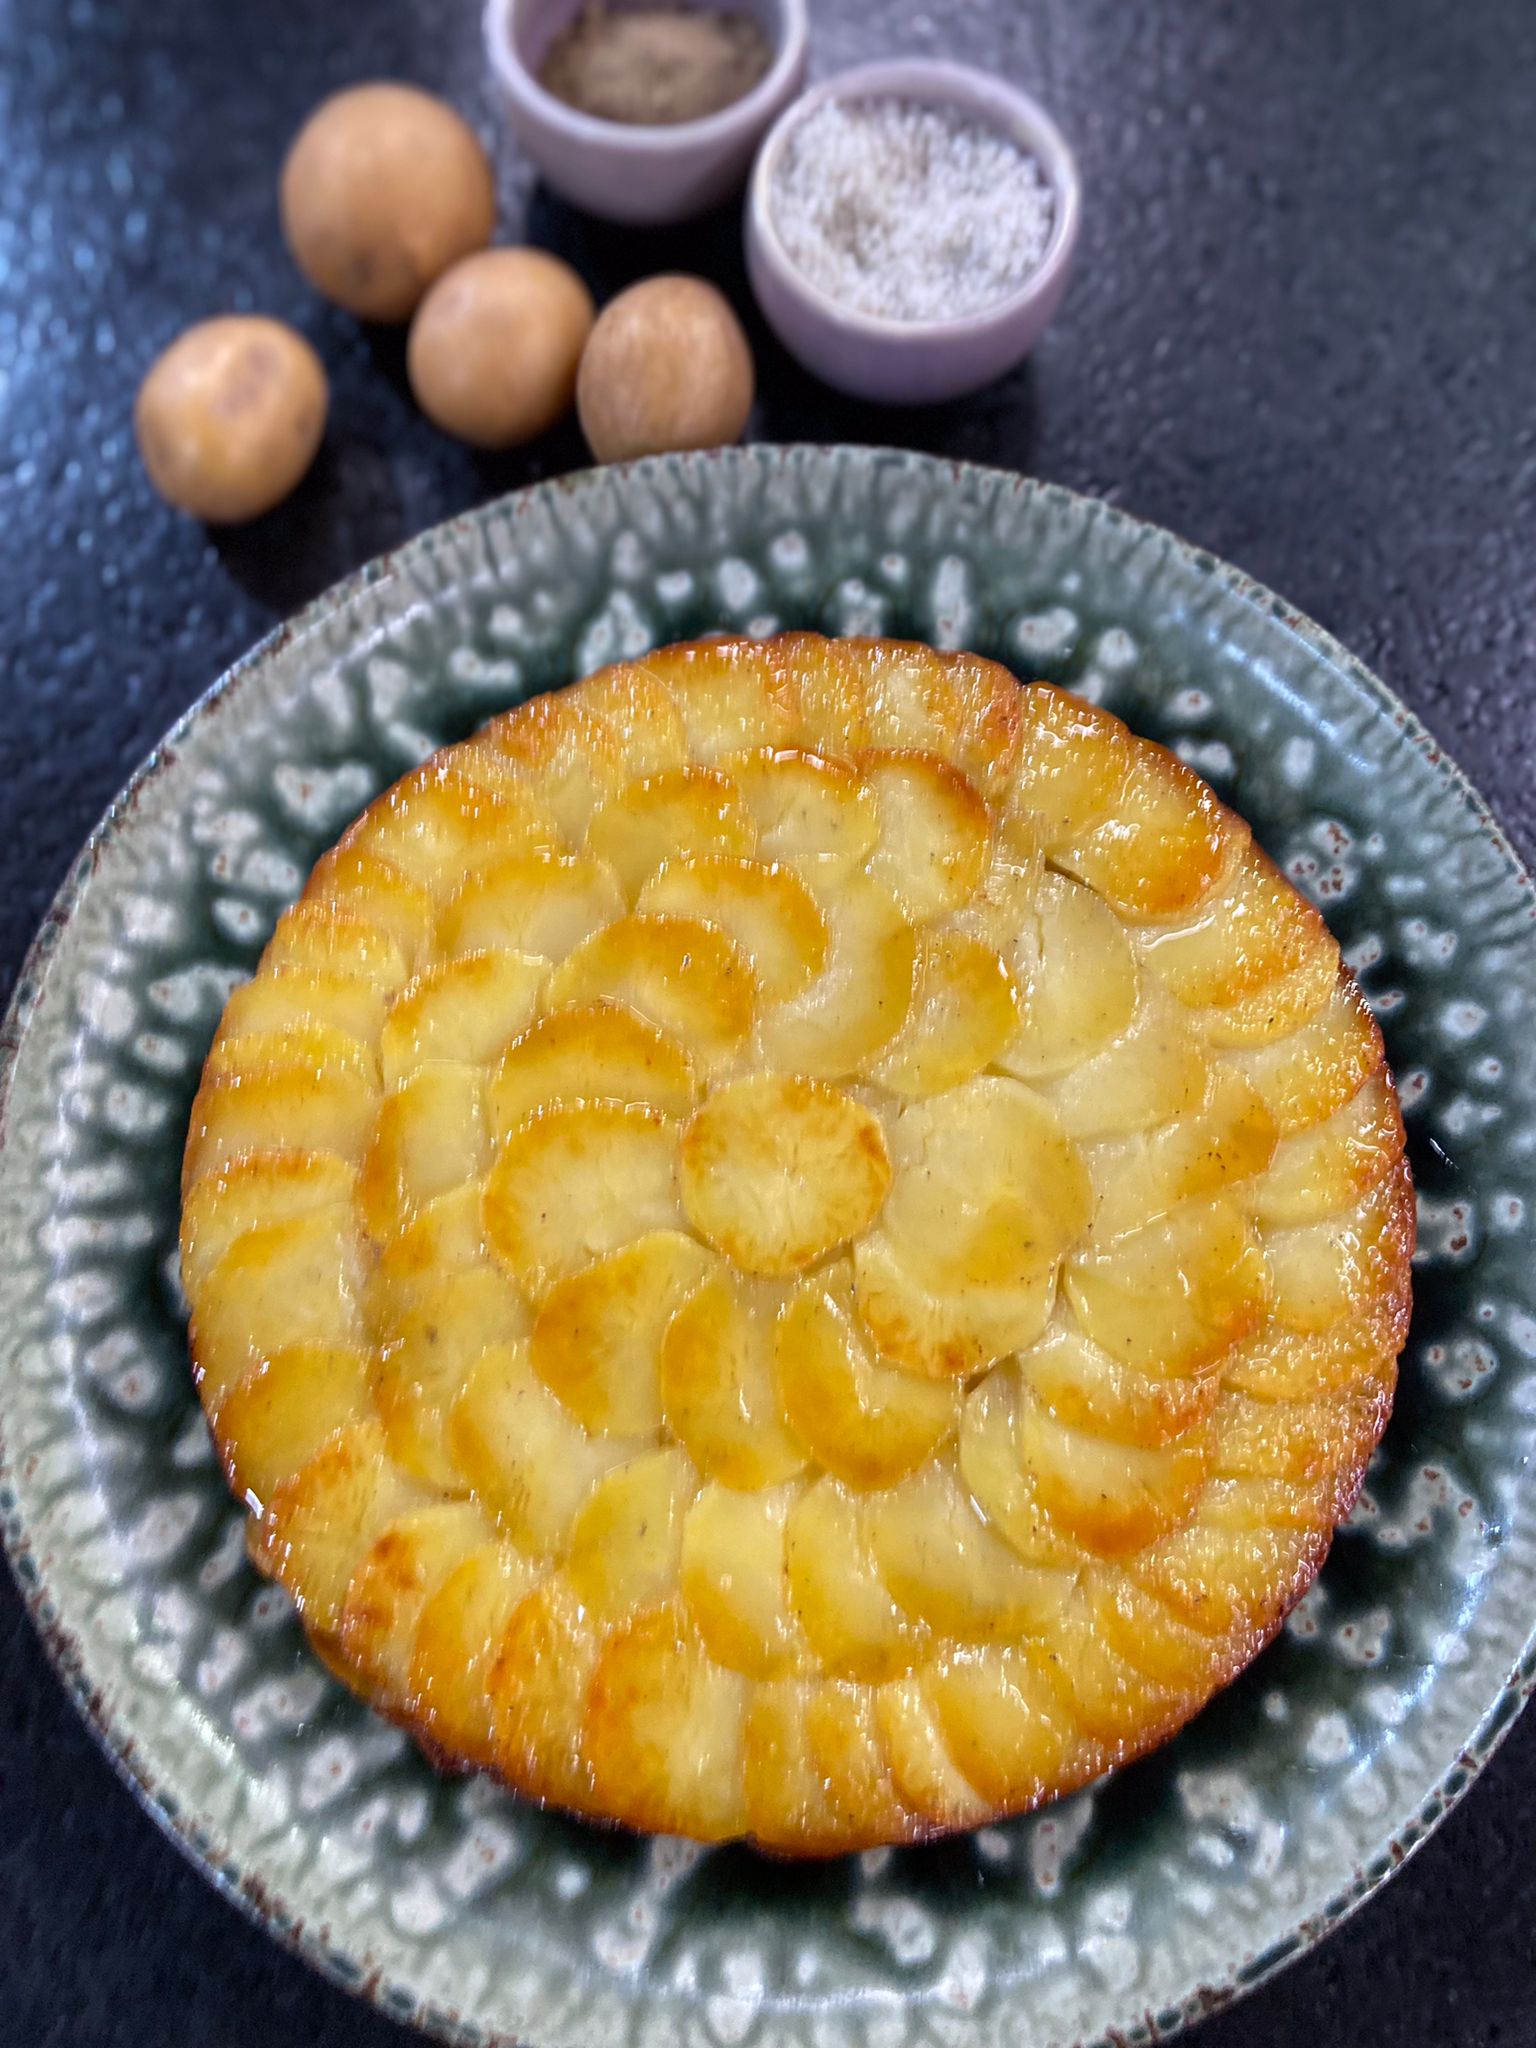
[[1115, 1915]]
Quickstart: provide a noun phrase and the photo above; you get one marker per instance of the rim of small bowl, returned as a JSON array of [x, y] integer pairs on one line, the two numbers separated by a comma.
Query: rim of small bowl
[[929, 82], [645, 138], [400, 1996]]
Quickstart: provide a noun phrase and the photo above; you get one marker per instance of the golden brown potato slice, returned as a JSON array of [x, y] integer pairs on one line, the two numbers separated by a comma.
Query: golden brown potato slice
[[765, 908], [286, 1407], [777, 1172], [686, 978], [596, 1340], [597, 1052], [255, 1188], [679, 813], [576, 1181], [540, 902]]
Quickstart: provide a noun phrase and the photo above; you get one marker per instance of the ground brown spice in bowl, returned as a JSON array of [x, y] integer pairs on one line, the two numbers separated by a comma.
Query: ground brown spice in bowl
[[655, 66]]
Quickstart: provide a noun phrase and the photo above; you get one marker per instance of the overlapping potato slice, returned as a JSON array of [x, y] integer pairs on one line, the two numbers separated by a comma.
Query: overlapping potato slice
[[670, 816], [776, 1172], [935, 831], [988, 1194], [440, 823], [1275, 1009], [1175, 1294], [1238, 1564], [860, 1000], [599, 1052], [1073, 761], [1111, 1701], [315, 938], [1110, 1497], [837, 1594], [942, 1332], [352, 878], [1325, 1169], [965, 1012], [279, 1108], [572, 758], [796, 1240], [1327, 1270], [536, 1685], [596, 1340], [576, 1181], [284, 999], [786, 1795], [663, 1730], [523, 1454], [734, 695], [320, 1521], [295, 1281], [1145, 1633], [427, 1356], [1074, 975], [288, 1404], [255, 1188], [1153, 1073], [641, 712], [1278, 1364], [923, 1767], [626, 1543], [991, 1463], [444, 1236], [458, 1639], [469, 1008], [1083, 1388], [949, 1570], [1229, 1140], [717, 1389], [429, 1138], [1306, 1076], [685, 977], [1005, 1723], [541, 902], [299, 1043], [861, 1419], [735, 1580], [843, 1731], [409, 1559], [1161, 851], [764, 907], [1251, 928], [893, 695], [816, 816]]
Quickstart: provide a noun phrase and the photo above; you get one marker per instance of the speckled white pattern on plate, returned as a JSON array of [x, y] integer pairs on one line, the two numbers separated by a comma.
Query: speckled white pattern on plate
[[1115, 1914]]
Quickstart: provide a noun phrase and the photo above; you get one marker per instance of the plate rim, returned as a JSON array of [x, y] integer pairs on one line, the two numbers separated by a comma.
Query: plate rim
[[397, 1997]]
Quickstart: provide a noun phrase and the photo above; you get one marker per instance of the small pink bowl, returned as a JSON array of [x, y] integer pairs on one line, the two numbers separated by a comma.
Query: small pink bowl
[[641, 175], [914, 362]]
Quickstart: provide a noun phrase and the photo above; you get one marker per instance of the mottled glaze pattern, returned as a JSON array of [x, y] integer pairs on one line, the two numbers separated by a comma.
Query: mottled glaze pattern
[[1114, 1915]]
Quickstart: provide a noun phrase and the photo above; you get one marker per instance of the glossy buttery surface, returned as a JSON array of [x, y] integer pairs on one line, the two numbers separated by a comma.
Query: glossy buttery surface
[[796, 1241], [1109, 1915]]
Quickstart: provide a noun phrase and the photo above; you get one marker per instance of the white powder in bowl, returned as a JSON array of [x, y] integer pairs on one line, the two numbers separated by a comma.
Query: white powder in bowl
[[909, 212]]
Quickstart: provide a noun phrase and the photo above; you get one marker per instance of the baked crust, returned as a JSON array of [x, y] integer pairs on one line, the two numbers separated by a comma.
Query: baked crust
[[796, 1241]]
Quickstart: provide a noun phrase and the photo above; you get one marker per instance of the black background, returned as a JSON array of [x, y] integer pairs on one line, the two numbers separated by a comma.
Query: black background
[[1302, 332]]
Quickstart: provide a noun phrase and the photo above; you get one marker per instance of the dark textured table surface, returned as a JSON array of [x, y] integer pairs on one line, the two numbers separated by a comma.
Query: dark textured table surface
[[1302, 331]]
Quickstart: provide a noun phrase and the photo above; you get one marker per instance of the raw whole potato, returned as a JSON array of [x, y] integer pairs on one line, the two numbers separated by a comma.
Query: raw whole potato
[[383, 188], [230, 417], [495, 345], [667, 366]]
